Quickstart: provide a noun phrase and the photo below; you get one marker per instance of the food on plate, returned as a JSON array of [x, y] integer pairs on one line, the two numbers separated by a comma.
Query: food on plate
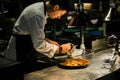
[[75, 62]]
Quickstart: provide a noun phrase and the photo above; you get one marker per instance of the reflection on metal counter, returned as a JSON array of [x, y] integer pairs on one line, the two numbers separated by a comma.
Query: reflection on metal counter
[[94, 71]]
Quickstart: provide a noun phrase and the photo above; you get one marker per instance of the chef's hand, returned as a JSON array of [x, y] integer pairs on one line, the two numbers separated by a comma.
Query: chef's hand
[[65, 47]]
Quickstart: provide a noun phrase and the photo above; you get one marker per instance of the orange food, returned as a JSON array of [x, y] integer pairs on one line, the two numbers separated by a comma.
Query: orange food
[[75, 62]]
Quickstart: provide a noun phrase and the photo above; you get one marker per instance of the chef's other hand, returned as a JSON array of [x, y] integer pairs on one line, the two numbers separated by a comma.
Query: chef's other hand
[[65, 47]]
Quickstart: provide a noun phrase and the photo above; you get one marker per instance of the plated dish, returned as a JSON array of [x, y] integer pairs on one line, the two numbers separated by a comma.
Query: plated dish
[[73, 63]]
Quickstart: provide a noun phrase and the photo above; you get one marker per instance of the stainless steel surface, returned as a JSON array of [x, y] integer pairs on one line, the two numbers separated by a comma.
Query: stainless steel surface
[[95, 70]]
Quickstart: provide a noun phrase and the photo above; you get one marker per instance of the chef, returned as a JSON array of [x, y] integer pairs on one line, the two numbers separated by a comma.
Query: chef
[[28, 39]]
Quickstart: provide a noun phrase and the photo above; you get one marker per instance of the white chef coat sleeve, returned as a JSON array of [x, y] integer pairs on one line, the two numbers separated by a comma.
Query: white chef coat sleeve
[[36, 31], [47, 49]]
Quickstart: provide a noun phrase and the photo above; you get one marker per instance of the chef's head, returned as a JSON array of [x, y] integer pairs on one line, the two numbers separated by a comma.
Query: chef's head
[[57, 8]]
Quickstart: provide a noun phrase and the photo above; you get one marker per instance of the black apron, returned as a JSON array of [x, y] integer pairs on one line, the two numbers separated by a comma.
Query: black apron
[[25, 51]]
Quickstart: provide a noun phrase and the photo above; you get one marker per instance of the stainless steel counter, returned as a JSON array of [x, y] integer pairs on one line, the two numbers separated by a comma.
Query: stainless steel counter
[[94, 71]]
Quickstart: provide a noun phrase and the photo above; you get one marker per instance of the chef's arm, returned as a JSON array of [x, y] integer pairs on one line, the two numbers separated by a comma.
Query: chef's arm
[[54, 42], [64, 48], [51, 41]]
